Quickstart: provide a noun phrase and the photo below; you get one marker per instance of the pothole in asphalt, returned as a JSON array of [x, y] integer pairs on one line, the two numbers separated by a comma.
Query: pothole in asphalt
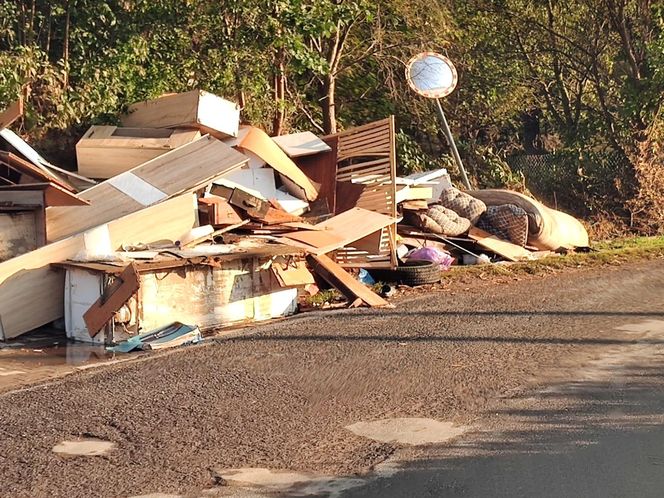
[[295, 483], [84, 447], [413, 431]]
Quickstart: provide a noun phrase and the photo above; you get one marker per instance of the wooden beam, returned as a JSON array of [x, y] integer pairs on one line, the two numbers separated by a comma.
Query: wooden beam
[[113, 298], [341, 280]]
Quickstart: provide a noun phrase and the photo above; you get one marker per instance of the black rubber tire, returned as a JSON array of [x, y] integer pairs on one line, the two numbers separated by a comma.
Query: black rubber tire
[[411, 273]]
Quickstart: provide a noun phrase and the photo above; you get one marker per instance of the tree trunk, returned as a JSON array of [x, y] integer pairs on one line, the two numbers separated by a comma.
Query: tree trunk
[[279, 95], [328, 104], [65, 48]]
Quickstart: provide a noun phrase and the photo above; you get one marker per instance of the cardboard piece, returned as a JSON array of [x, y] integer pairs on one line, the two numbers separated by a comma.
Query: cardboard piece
[[297, 183], [293, 275]]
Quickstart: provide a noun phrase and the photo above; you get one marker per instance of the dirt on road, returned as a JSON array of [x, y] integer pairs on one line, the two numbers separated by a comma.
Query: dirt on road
[[281, 396]]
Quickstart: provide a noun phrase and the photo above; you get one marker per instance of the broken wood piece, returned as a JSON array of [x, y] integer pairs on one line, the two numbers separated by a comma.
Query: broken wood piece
[[341, 280], [22, 171], [297, 183], [414, 205], [195, 109], [366, 156], [219, 210], [106, 151], [213, 235], [322, 169], [293, 274], [12, 113], [112, 299], [301, 144], [503, 248]]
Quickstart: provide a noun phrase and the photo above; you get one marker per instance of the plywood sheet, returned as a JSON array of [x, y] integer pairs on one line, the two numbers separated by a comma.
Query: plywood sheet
[[322, 169], [340, 230], [185, 169], [301, 144], [31, 293], [503, 248], [259, 143]]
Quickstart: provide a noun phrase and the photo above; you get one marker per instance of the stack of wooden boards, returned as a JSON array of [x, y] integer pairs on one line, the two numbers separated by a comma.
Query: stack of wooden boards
[[182, 171]]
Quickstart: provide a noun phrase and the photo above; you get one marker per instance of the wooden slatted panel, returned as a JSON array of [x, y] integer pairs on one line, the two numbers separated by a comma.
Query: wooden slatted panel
[[367, 155]]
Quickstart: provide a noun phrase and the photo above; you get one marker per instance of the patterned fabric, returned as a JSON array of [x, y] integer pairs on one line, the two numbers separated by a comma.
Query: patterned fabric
[[439, 219], [463, 204], [507, 221]]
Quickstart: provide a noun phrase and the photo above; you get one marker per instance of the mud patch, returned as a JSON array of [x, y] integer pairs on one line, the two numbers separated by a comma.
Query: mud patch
[[412, 431], [84, 447]]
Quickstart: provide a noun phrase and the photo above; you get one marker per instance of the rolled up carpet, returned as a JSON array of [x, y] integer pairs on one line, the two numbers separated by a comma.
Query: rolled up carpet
[[548, 229], [463, 204]]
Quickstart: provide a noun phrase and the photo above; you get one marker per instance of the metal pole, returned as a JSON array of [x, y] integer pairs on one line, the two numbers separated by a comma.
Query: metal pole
[[450, 141]]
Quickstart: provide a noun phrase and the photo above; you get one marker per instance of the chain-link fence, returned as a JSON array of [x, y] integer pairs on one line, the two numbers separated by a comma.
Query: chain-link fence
[[581, 183]]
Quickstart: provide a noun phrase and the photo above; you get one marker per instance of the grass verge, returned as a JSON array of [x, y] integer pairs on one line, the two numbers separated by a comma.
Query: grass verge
[[607, 253]]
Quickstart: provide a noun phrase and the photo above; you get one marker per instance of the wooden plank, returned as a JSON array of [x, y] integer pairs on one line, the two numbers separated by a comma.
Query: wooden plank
[[503, 248], [112, 299], [184, 169], [259, 143], [31, 293], [195, 109], [301, 144], [12, 113], [340, 279]]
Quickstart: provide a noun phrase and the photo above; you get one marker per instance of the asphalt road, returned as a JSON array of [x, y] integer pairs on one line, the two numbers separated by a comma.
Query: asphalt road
[[599, 435], [558, 379]]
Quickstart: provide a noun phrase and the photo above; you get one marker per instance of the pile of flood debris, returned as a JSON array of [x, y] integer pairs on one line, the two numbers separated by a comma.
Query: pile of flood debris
[[184, 216]]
